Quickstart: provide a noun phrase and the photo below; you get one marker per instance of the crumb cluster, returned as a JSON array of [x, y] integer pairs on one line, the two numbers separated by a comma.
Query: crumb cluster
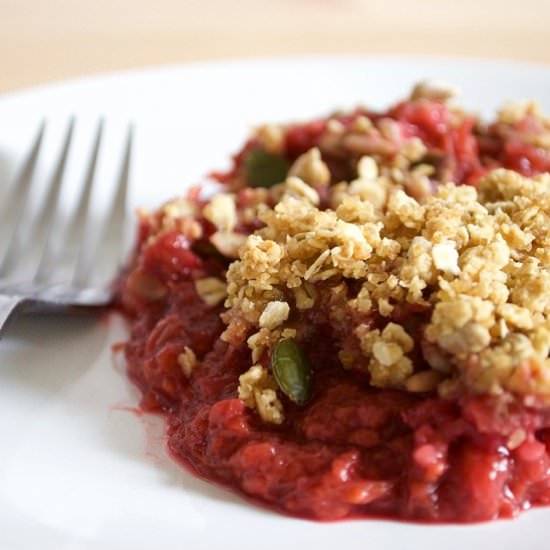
[[394, 240], [477, 259]]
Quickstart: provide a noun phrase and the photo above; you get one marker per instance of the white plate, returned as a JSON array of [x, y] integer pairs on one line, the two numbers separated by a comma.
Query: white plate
[[77, 470]]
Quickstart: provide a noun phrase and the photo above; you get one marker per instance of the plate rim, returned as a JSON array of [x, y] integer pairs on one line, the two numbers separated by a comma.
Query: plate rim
[[247, 61]]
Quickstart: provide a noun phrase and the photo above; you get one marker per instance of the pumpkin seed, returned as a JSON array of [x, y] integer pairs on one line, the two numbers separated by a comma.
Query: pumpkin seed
[[264, 169], [292, 371]]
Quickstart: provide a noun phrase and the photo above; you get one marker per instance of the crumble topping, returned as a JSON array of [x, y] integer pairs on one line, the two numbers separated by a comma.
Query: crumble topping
[[257, 390], [295, 187], [471, 264], [475, 260], [359, 269], [513, 112], [388, 365]]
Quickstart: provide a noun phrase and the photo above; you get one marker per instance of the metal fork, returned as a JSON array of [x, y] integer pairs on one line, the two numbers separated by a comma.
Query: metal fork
[[47, 284]]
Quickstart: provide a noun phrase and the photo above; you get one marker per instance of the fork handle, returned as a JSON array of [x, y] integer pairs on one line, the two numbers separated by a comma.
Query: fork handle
[[8, 304]]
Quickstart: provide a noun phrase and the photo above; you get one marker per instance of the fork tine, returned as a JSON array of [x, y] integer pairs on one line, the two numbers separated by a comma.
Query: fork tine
[[61, 232], [81, 214], [113, 226], [16, 191], [45, 210], [51, 209], [17, 202]]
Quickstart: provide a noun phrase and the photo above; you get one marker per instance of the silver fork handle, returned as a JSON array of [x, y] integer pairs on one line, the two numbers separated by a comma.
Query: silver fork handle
[[8, 304]]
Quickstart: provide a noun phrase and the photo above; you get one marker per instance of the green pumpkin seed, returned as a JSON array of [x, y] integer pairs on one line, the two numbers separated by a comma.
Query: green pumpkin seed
[[265, 169], [292, 371]]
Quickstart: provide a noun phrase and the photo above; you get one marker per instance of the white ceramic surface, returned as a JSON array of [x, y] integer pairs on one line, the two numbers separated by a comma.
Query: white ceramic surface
[[78, 470]]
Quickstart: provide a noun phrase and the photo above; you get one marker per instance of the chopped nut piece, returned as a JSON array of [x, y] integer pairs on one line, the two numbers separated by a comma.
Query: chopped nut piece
[[471, 338], [413, 150], [255, 377], [445, 257], [388, 365], [384, 307], [191, 229], [260, 341], [362, 124], [288, 333], [179, 208], [367, 168], [187, 361], [269, 406], [367, 144], [436, 358], [387, 353], [228, 243], [396, 333], [310, 168], [435, 91], [272, 137], [513, 112], [335, 126], [409, 212], [390, 129], [295, 187], [257, 391], [211, 290], [372, 191], [274, 314], [516, 316], [222, 212], [388, 376]]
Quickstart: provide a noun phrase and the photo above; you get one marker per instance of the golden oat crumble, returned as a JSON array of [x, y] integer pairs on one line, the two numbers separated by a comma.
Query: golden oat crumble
[[387, 349], [474, 262], [257, 390], [478, 261], [513, 114]]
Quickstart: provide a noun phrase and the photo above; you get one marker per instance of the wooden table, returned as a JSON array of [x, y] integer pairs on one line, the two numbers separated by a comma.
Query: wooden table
[[45, 40]]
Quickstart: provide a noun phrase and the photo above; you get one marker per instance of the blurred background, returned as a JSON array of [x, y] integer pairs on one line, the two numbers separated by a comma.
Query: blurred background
[[45, 40]]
